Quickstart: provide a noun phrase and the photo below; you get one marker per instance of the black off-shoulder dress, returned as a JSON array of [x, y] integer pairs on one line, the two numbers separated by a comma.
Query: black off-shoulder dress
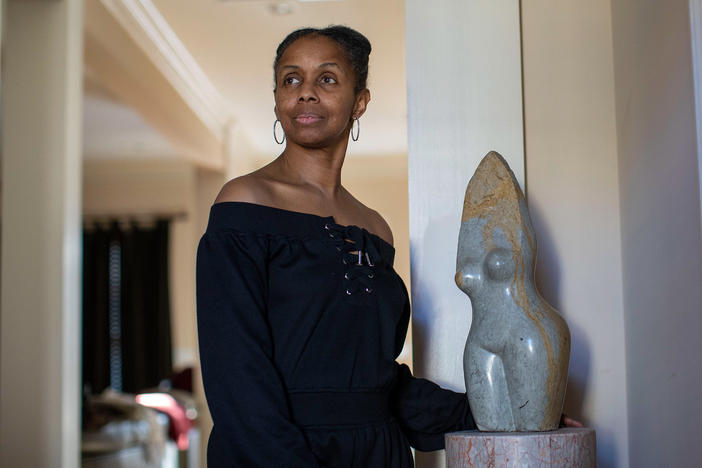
[[298, 338]]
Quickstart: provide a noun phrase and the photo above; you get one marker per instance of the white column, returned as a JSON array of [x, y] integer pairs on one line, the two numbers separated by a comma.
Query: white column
[[464, 93], [41, 235]]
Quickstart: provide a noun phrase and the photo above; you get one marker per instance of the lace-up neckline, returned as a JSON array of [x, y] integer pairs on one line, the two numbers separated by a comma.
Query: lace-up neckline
[[360, 250], [360, 255]]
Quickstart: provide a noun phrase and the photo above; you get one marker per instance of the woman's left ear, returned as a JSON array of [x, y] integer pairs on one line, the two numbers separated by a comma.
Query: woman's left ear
[[362, 99]]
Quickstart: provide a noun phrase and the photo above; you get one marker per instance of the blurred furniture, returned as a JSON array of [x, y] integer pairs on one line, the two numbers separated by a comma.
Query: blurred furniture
[[151, 430]]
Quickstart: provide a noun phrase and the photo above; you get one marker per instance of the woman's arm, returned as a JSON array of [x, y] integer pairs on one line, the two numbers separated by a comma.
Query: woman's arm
[[245, 393], [424, 410]]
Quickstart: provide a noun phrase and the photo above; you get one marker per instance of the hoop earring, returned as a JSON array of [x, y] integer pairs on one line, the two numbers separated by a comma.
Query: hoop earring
[[358, 129], [275, 136]]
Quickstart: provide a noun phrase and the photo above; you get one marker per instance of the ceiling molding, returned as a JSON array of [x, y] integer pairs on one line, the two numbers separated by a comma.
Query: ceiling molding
[[152, 33], [115, 62]]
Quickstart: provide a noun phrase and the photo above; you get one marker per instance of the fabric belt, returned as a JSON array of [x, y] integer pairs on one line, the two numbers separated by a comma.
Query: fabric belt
[[339, 408]]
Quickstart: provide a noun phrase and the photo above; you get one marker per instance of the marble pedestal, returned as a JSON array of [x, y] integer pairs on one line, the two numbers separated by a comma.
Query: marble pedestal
[[566, 447]]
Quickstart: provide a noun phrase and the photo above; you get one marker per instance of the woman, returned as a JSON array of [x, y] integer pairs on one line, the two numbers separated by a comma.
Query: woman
[[300, 313]]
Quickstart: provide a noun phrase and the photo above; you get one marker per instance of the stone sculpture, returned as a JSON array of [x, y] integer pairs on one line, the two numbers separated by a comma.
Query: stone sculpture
[[516, 356]]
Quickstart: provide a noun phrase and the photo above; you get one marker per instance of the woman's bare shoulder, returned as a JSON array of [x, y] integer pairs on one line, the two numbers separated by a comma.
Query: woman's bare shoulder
[[381, 227], [374, 221], [249, 188]]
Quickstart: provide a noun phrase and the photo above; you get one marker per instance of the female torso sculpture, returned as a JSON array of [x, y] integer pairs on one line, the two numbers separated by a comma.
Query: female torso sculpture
[[517, 351]]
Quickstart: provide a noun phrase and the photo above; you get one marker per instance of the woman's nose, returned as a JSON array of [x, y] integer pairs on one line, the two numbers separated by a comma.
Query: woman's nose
[[307, 93]]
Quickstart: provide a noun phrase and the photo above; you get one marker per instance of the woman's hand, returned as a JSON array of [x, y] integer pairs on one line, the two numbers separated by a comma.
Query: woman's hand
[[570, 422]]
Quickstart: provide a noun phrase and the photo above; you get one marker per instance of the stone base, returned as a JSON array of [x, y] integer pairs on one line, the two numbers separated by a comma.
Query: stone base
[[567, 447]]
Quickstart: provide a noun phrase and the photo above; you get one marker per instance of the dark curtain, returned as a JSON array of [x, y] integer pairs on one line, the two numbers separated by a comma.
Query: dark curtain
[[146, 322], [96, 335], [144, 307]]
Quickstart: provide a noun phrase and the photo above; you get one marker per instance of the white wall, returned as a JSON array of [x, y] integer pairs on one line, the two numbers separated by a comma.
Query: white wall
[[464, 99], [572, 189], [660, 213]]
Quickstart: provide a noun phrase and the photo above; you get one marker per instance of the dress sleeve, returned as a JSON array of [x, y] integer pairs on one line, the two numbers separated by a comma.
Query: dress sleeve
[[245, 393], [424, 410]]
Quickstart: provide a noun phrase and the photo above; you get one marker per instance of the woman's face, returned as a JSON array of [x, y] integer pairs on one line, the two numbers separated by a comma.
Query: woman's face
[[315, 99]]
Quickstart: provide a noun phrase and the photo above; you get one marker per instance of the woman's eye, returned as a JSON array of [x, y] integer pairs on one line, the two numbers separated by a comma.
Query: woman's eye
[[328, 80], [291, 80]]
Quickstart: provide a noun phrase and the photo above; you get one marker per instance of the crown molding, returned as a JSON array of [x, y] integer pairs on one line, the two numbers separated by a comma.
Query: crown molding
[[151, 32]]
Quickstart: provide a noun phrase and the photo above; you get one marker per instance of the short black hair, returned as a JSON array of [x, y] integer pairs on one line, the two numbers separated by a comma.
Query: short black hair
[[355, 44]]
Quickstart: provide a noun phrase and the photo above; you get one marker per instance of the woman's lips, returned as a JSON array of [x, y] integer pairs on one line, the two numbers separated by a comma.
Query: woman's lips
[[308, 118]]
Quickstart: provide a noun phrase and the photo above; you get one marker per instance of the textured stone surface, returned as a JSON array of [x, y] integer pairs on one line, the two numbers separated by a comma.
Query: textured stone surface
[[566, 447], [516, 355]]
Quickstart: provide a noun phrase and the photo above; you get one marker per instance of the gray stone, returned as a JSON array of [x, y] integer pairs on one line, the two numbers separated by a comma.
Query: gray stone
[[516, 356]]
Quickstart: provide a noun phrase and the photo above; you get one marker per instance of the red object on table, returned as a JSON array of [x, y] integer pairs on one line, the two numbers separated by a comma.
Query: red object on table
[[179, 425]]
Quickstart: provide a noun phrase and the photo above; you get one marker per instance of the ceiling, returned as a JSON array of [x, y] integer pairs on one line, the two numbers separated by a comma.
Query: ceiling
[[234, 43], [113, 130]]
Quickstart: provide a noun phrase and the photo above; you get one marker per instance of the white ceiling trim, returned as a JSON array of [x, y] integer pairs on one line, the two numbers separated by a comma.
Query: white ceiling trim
[[152, 33]]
